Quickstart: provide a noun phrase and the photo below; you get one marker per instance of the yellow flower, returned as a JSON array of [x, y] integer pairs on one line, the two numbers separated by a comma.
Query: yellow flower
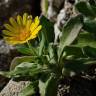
[[22, 29]]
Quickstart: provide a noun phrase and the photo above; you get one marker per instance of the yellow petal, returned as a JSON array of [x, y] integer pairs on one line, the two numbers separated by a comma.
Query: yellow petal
[[8, 33], [9, 27], [35, 32], [31, 37], [10, 40], [13, 22], [22, 42], [37, 21], [28, 24], [35, 24], [32, 26], [19, 20], [25, 16]]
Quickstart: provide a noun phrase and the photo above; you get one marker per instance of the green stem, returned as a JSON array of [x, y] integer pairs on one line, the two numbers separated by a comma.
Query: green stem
[[31, 48]]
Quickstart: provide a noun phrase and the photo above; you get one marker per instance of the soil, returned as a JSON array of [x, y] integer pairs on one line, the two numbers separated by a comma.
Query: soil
[[83, 84], [77, 86]]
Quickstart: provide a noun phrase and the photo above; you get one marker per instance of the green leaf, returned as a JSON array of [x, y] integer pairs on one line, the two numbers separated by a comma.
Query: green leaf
[[94, 7], [48, 88], [90, 25], [6, 74], [79, 65], [89, 51], [51, 89], [86, 39], [85, 8], [18, 60], [52, 53], [73, 50], [47, 33], [42, 44], [47, 29], [25, 69], [29, 90], [69, 33]]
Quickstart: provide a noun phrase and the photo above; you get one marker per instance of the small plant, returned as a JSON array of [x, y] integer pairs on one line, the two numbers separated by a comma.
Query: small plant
[[46, 63]]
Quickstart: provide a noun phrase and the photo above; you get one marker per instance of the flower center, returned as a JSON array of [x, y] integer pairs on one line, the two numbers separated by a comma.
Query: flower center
[[23, 35]]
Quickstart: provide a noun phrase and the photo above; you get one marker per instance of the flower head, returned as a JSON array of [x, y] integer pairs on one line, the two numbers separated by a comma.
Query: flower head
[[22, 29]]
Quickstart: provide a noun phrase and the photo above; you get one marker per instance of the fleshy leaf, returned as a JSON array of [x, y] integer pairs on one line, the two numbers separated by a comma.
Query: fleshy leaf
[[18, 60], [47, 33], [48, 88], [85, 8], [69, 33]]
